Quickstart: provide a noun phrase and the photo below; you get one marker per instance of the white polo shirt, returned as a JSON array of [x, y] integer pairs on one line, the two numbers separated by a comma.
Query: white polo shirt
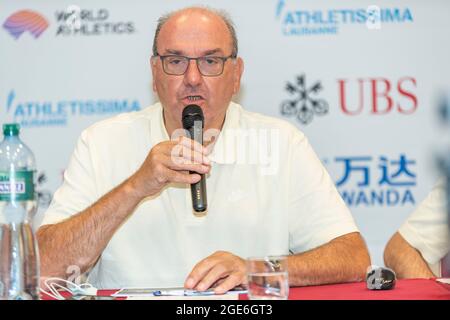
[[426, 229], [281, 203]]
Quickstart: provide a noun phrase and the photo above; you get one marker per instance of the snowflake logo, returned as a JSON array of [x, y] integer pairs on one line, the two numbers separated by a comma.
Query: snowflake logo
[[44, 196], [305, 104]]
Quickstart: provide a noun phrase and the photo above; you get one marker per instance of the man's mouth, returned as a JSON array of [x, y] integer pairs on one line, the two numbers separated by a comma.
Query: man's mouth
[[194, 98]]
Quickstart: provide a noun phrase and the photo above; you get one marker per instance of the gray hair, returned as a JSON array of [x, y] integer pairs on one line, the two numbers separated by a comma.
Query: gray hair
[[220, 13]]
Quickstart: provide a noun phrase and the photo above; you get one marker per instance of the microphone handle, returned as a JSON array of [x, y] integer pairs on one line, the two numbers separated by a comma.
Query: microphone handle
[[198, 193], [198, 189]]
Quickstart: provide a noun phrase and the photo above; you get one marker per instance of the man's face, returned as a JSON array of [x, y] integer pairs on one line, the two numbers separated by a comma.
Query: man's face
[[195, 33]]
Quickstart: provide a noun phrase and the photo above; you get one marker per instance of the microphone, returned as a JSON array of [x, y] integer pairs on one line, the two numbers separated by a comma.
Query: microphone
[[193, 119]]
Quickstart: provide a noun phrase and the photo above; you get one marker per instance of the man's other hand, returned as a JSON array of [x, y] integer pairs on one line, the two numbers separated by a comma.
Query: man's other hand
[[221, 270]]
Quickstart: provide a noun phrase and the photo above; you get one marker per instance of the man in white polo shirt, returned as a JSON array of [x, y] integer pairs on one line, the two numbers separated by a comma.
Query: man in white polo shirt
[[420, 248], [124, 212]]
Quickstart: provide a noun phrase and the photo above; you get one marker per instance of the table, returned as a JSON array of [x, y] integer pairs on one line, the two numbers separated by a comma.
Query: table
[[406, 289]]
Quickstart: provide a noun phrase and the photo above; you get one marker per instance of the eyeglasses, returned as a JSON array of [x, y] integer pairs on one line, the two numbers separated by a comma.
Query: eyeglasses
[[209, 66]]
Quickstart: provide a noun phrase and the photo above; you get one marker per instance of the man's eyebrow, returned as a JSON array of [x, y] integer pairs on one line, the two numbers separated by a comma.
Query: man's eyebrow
[[212, 51], [173, 51]]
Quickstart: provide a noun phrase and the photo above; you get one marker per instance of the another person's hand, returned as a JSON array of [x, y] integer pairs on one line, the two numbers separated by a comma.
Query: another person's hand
[[221, 270], [170, 162]]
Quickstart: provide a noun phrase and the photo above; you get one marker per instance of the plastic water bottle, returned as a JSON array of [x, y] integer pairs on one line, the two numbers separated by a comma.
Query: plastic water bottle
[[19, 259]]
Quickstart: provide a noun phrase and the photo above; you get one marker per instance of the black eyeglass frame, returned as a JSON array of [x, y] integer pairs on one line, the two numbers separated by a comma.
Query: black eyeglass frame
[[224, 59]]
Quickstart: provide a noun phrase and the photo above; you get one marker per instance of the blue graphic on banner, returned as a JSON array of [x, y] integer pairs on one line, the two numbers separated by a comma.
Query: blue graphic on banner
[[298, 21], [390, 184], [58, 113]]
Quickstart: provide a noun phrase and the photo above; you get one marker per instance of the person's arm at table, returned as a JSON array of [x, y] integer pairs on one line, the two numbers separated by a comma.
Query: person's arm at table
[[405, 260], [343, 259], [80, 240]]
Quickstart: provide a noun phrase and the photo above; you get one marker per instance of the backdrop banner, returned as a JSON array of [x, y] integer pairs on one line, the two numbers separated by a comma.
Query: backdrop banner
[[361, 79]]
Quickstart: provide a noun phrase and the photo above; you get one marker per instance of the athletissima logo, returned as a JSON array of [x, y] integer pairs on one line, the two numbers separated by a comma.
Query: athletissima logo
[[296, 19], [48, 113]]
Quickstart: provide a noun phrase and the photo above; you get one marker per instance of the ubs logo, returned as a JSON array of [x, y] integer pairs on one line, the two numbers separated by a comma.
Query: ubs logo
[[305, 102]]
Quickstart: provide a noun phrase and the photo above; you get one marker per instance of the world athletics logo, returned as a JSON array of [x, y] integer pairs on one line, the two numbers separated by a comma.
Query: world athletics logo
[[298, 21], [25, 20]]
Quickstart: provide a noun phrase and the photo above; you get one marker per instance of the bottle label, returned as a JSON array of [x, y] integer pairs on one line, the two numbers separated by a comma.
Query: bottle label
[[19, 186]]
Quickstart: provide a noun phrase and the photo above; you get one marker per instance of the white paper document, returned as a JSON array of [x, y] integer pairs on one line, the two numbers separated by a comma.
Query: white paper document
[[176, 293], [443, 280]]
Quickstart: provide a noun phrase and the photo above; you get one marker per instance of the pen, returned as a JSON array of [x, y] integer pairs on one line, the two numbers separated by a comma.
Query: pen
[[199, 293], [183, 293]]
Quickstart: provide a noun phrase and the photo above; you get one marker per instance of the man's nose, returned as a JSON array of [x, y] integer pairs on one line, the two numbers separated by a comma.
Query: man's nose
[[192, 77]]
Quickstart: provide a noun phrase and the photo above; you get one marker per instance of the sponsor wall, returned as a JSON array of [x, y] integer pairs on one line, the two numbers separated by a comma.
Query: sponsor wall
[[360, 78]]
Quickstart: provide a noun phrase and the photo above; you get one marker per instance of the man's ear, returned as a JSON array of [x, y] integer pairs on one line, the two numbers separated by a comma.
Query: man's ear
[[153, 62], [238, 74]]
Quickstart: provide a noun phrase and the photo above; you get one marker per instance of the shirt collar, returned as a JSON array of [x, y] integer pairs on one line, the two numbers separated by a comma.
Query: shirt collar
[[224, 149], [157, 127]]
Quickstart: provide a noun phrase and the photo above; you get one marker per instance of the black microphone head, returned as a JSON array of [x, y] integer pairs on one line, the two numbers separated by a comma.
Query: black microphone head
[[191, 113]]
